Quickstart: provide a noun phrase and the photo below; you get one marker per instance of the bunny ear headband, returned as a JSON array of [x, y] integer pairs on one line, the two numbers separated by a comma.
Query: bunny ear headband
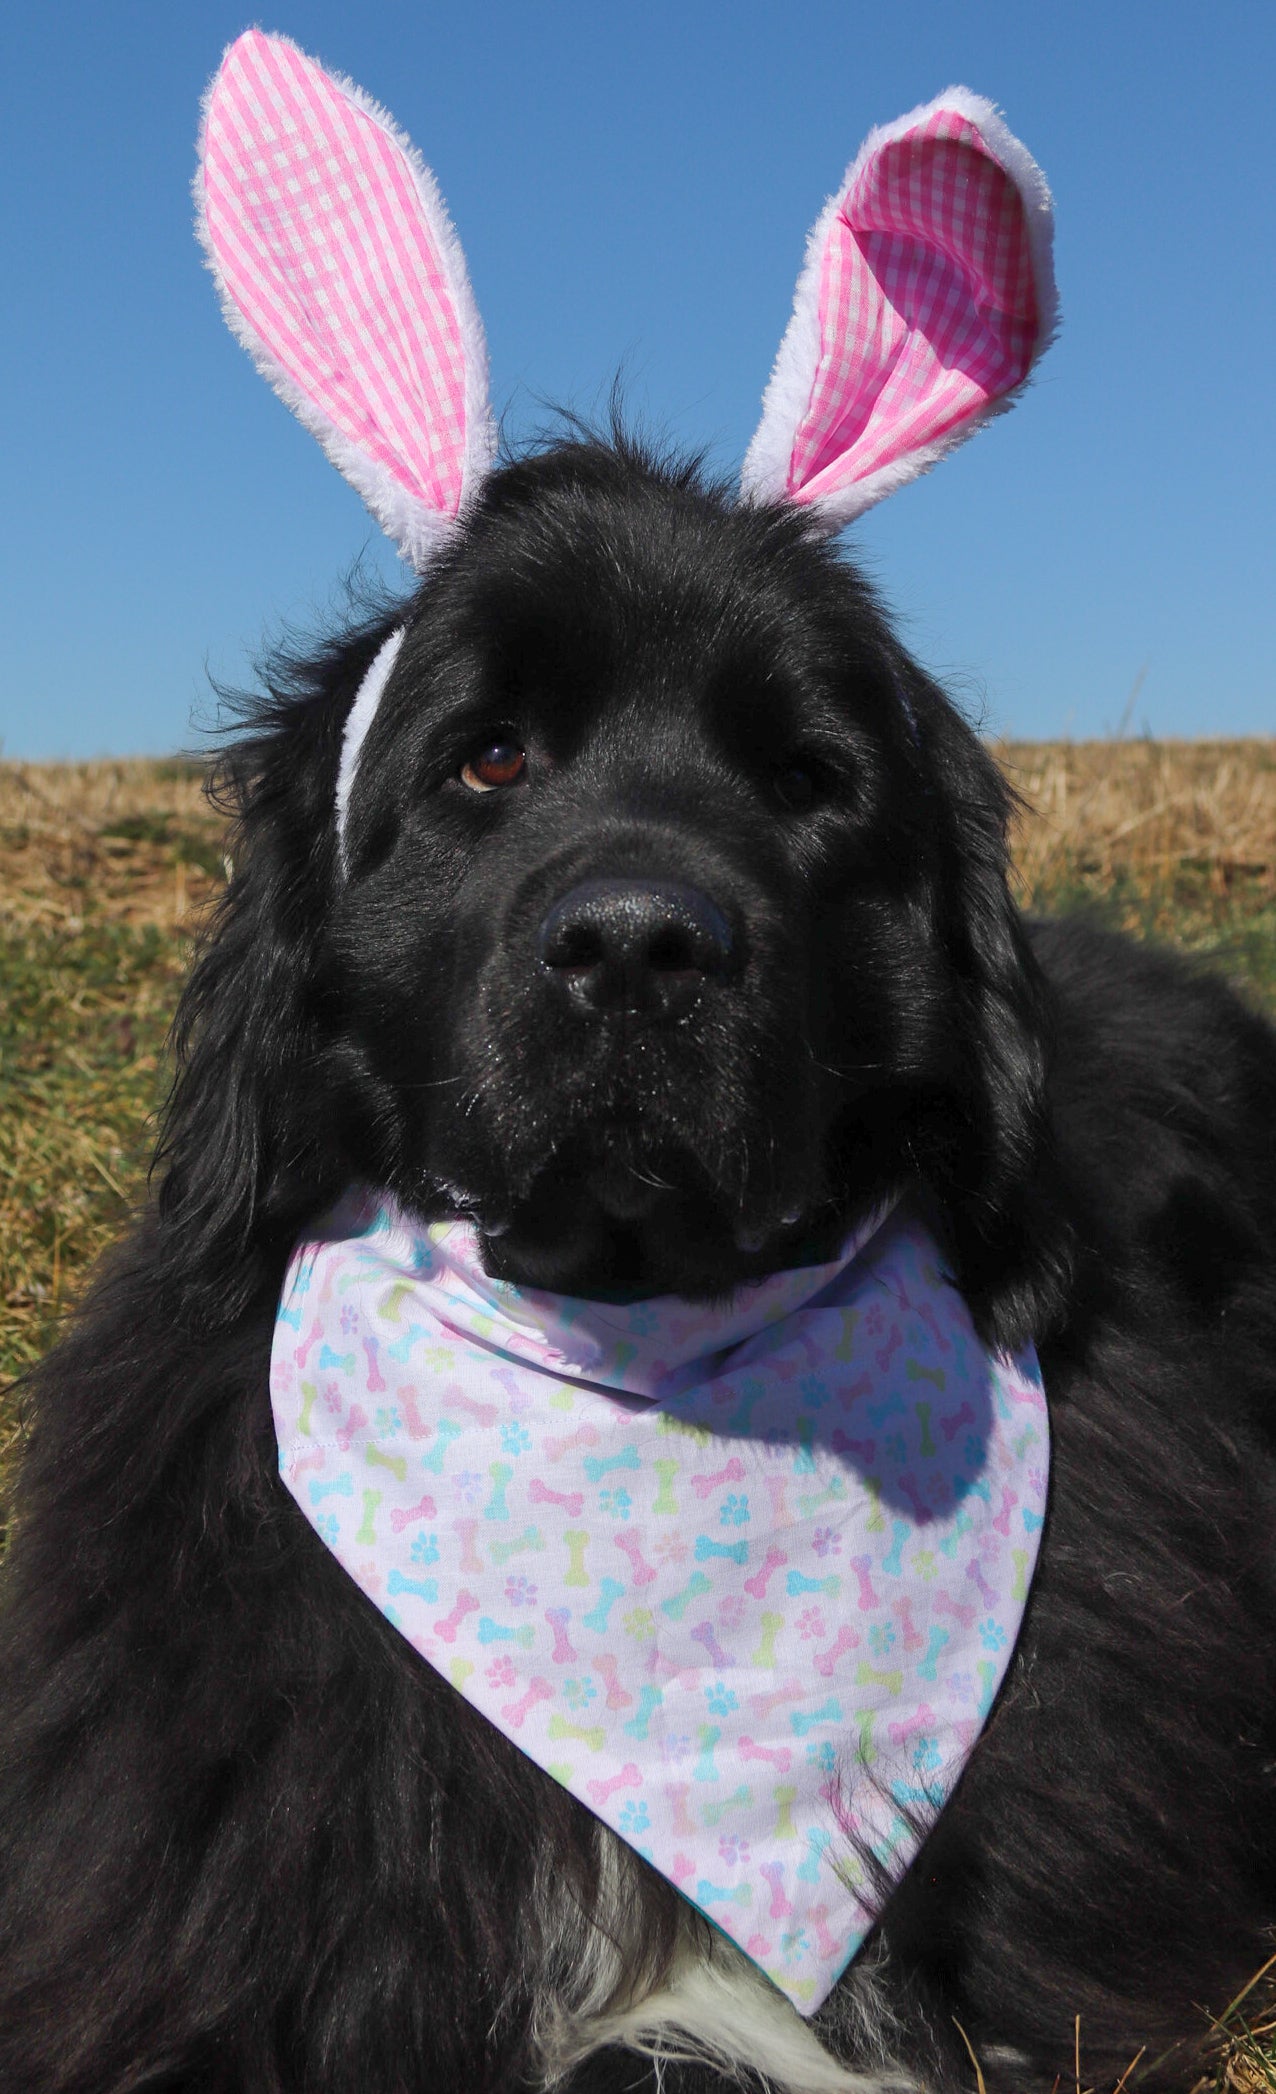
[[926, 297]]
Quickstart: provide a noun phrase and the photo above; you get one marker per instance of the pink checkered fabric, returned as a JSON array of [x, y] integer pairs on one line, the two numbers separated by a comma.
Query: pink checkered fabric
[[340, 271], [926, 299]]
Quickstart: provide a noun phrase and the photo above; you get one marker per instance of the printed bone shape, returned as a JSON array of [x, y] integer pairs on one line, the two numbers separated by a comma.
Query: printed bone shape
[[775, 1756], [517, 1712], [570, 1501], [644, 1573], [563, 1652], [584, 1436], [618, 1696], [350, 1430], [406, 1516], [530, 1538], [649, 1700], [756, 1585], [826, 1660], [731, 1472], [629, 1777]]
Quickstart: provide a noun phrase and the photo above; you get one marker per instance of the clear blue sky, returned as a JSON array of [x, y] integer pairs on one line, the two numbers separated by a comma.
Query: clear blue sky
[[632, 185]]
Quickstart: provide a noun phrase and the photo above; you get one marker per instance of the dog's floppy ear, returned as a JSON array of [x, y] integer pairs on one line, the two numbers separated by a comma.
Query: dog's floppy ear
[[989, 1153], [926, 298], [340, 273], [249, 1137]]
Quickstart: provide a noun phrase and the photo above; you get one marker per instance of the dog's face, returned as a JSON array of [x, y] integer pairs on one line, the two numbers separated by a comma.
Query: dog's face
[[671, 930], [632, 883], [673, 933]]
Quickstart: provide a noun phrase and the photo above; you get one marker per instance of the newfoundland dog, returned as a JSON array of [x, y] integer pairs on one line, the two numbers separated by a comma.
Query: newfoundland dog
[[629, 895]]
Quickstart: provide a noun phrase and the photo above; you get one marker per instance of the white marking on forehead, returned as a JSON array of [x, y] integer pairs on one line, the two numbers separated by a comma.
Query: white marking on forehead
[[359, 719]]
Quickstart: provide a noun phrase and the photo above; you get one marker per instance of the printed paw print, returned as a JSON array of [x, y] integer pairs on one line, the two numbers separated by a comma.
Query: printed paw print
[[814, 1392], [733, 1849], [874, 1321], [520, 1592], [634, 1817], [1037, 1481], [642, 1319], [926, 1755], [618, 1504], [720, 1699], [925, 1564], [387, 1423], [896, 1447], [578, 1693], [822, 1756], [991, 1634], [669, 1549], [349, 1319], [515, 1439], [675, 1748], [731, 1610], [425, 1549], [501, 1673], [810, 1622], [332, 1398], [640, 1623], [326, 1528], [735, 1510], [826, 1541], [469, 1486], [975, 1450], [881, 1638]]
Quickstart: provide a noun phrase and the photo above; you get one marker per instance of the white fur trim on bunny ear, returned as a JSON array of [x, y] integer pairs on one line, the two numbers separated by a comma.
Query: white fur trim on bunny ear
[[340, 273], [926, 297], [358, 720]]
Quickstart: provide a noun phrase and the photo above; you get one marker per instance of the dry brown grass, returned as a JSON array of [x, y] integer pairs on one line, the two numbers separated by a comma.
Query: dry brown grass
[[104, 871], [107, 868], [133, 841], [1154, 807]]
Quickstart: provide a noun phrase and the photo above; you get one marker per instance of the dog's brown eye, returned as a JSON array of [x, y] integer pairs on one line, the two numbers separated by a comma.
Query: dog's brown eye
[[500, 763], [794, 786]]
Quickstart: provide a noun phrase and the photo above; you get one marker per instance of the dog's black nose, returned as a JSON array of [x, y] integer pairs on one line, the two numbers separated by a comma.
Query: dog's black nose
[[635, 945]]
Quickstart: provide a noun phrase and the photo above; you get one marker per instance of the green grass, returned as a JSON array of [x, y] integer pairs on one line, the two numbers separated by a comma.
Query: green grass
[[83, 1019], [1230, 929]]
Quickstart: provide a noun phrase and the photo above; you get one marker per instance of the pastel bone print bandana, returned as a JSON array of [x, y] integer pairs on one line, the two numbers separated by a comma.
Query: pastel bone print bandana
[[744, 1578]]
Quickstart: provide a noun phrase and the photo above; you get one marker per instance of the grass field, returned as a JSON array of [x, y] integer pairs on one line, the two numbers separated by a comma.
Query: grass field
[[106, 870]]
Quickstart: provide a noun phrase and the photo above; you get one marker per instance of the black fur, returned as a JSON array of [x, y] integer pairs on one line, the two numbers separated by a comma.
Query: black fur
[[249, 1843]]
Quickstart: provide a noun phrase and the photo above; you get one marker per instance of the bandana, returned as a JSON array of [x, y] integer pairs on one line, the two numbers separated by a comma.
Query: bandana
[[743, 1577]]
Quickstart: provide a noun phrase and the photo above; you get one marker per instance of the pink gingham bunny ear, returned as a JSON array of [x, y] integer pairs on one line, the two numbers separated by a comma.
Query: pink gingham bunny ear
[[339, 272], [926, 298]]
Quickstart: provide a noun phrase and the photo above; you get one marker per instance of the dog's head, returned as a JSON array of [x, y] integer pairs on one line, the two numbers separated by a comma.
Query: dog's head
[[630, 890]]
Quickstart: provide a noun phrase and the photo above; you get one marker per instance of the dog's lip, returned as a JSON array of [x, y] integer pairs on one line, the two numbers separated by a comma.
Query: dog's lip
[[627, 1182], [753, 1232]]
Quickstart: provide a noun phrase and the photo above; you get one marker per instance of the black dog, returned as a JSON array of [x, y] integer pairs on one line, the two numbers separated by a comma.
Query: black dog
[[665, 933], [250, 1840]]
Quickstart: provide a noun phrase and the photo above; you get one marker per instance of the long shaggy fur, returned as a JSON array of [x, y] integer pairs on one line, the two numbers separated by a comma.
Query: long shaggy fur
[[249, 1842]]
